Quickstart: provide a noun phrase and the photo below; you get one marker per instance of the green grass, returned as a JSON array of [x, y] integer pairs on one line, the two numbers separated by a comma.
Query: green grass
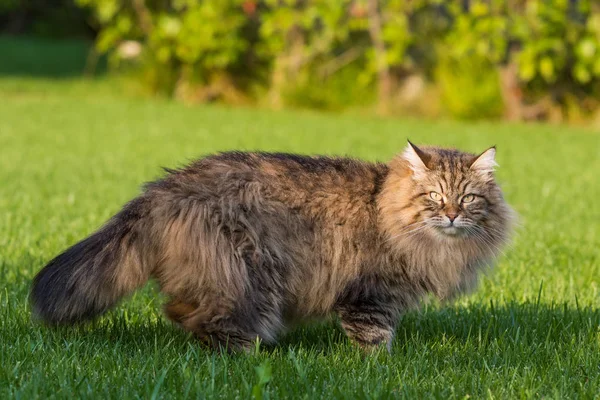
[[43, 58], [73, 152]]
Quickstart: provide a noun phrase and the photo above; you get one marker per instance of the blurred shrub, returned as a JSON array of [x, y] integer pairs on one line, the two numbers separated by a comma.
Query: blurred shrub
[[333, 93], [469, 87], [45, 58], [47, 18], [520, 58], [8, 5]]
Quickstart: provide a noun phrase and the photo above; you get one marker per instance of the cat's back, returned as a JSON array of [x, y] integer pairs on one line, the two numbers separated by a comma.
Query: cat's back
[[285, 177]]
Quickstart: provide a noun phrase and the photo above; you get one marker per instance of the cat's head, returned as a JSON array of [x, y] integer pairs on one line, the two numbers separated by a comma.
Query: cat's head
[[445, 194]]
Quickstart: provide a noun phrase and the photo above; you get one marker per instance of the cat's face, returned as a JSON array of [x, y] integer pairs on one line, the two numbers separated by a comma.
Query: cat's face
[[454, 194]]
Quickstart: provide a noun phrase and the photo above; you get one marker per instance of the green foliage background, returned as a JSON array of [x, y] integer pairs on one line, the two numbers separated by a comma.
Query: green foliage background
[[296, 52]]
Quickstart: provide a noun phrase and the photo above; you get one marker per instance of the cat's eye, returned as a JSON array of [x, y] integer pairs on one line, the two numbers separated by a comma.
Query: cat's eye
[[468, 198], [435, 196]]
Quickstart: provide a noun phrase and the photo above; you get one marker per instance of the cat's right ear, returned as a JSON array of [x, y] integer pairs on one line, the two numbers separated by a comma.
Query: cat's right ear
[[417, 159], [485, 163]]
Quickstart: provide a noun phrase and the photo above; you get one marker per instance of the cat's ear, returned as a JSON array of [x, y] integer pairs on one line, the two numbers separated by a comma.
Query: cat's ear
[[417, 159], [485, 163]]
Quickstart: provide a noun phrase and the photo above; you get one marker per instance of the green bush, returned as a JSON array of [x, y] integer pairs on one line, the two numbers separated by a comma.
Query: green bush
[[8, 5], [45, 18], [333, 93], [469, 88], [310, 52]]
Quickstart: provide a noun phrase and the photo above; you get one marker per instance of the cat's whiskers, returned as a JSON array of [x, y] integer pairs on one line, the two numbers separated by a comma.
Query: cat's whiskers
[[480, 239], [409, 230], [479, 234], [414, 232], [407, 235]]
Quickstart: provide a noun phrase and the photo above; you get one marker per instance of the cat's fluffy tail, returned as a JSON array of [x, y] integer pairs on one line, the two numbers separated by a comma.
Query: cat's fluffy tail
[[91, 276]]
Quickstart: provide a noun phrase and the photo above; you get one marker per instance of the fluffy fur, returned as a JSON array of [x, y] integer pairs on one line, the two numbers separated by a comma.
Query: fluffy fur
[[247, 244]]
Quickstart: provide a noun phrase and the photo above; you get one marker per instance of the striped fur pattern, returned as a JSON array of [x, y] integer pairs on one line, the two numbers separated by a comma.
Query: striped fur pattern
[[246, 245]]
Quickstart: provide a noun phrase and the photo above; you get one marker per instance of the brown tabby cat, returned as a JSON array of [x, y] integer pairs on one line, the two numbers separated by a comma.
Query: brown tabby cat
[[246, 244]]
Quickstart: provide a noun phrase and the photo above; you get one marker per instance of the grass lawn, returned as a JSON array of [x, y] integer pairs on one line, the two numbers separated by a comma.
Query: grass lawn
[[72, 152]]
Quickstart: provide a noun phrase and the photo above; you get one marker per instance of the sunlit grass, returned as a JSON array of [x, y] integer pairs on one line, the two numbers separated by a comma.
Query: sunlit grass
[[71, 158]]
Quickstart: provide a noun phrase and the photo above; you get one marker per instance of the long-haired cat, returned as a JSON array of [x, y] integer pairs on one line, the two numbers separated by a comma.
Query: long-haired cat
[[246, 244]]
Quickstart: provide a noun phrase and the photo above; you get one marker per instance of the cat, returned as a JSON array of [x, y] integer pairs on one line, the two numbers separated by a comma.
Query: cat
[[246, 244]]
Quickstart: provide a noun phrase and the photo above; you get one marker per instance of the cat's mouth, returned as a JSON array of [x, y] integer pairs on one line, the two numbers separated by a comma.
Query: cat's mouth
[[451, 230], [456, 228]]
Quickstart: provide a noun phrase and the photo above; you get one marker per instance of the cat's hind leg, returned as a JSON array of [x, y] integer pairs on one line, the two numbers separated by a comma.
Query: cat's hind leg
[[220, 330], [177, 310], [223, 327]]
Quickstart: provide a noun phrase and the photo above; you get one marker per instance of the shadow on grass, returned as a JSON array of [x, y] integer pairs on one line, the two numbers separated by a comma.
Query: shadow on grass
[[523, 323], [514, 324], [510, 323]]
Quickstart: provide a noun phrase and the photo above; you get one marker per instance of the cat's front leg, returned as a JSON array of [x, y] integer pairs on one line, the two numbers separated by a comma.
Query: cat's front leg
[[369, 323]]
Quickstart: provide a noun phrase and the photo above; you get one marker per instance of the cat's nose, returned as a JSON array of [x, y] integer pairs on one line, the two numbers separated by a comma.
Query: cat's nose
[[451, 216]]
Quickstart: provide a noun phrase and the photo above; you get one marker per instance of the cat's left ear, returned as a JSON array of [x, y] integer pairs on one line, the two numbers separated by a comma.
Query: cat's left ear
[[418, 160], [485, 163]]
